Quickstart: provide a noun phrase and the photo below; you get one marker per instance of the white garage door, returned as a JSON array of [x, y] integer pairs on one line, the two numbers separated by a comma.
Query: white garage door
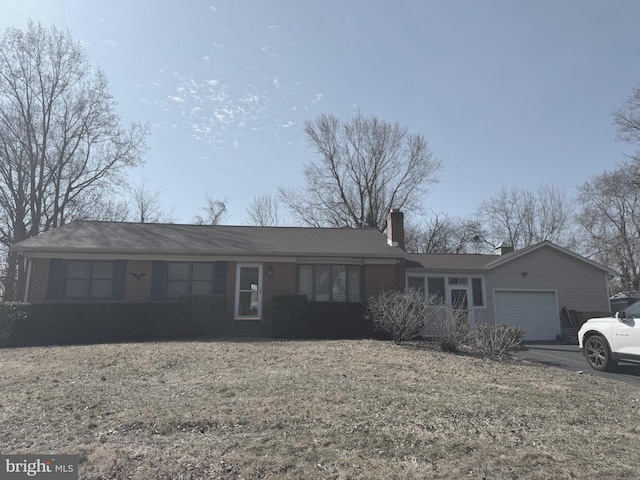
[[535, 311]]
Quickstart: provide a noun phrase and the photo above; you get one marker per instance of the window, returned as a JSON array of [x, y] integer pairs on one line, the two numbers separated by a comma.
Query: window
[[416, 283], [437, 288], [478, 295], [184, 278], [88, 279], [435, 291], [330, 283]]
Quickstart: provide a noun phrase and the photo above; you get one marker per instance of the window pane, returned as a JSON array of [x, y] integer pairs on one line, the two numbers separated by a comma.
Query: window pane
[[323, 292], [75, 288], [248, 303], [633, 312], [202, 271], [102, 270], [77, 269], [339, 282], [416, 283], [177, 271], [305, 281], [101, 288], [435, 288], [202, 287], [476, 285], [355, 294], [249, 278], [175, 288]]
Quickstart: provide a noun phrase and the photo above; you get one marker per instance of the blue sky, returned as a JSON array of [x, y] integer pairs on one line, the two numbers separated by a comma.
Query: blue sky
[[507, 92]]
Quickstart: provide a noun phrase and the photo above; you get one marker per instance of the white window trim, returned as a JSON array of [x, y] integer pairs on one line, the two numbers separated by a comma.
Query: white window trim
[[446, 277], [236, 305]]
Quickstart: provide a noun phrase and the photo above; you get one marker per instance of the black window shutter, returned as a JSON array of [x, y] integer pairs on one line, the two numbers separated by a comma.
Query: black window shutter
[[158, 280], [119, 279], [220, 277], [55, 286]]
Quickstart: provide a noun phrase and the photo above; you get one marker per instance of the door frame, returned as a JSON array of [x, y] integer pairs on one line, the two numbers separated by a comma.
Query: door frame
[[469, 292], [236, 302]]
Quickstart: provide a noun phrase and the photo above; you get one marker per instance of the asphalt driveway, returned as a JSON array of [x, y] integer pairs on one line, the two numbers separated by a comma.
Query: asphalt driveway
[[569, 357]]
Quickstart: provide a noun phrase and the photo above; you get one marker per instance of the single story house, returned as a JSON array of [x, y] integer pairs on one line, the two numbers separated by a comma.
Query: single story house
[[142, 262], [138, 262]]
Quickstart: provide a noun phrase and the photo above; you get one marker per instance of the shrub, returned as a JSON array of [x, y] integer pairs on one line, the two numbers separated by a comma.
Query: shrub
[[451, 330], [400, 314], [336, 320], [89, 322], [496, 340], [199, 316], [289, 317], [11, 314]]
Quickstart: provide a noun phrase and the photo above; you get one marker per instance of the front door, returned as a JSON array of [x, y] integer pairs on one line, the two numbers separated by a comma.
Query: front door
[[248, 291], [459, 302]]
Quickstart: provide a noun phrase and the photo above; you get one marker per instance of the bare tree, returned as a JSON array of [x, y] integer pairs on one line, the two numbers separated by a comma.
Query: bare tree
[[264, 211], [442, 234], [610, 217], [524, 217], [147, 207], [363, 168], [60, 137], [214, 211], [627, 121]]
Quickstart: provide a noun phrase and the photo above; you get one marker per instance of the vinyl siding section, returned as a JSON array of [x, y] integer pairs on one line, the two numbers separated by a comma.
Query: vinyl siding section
[[578, 285]]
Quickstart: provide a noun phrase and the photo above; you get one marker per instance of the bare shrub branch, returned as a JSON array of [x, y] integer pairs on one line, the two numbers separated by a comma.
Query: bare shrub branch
[[400, 314]]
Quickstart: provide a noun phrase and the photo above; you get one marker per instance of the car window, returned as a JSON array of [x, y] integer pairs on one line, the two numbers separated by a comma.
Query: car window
[[634, 310]]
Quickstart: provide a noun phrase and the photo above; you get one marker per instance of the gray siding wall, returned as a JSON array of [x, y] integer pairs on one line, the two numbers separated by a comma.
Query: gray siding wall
[[579, 286]]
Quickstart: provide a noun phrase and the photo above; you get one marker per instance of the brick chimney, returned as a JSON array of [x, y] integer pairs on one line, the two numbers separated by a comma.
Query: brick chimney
[[395, 228]]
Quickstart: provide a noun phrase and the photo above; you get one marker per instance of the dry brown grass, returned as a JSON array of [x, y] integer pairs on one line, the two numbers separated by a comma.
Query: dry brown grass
[[333, 409]]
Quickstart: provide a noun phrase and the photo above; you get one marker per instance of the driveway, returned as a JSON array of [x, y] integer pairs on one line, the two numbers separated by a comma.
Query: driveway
[[569, 357]]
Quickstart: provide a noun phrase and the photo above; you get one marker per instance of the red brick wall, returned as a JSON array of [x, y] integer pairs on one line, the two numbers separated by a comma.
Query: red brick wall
[[380, 278], [39, 280], [138, 281]]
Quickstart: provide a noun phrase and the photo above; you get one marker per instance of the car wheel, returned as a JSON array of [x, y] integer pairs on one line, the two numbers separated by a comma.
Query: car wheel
[[598, 353]]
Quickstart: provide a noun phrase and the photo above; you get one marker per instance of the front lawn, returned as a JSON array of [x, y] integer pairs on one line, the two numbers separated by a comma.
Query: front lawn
[[323, 409]]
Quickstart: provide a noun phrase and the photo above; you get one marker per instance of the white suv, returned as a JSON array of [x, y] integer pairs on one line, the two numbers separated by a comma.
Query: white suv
[[605, 341]]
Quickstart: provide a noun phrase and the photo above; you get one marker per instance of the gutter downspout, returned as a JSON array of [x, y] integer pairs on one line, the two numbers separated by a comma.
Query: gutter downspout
[[26, 287]]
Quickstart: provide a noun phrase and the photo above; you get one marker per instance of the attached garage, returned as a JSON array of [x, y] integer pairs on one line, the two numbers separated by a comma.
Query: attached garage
[[536, 311]]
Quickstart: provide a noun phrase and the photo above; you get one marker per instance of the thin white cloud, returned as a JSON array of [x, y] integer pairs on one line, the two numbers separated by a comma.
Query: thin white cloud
[[176, 99]]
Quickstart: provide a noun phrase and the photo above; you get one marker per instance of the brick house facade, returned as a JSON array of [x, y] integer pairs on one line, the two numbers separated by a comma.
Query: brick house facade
[[105, 261]]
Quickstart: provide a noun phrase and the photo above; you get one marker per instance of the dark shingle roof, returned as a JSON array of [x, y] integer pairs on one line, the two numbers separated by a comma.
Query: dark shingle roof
[[150, 238], [445, 261]]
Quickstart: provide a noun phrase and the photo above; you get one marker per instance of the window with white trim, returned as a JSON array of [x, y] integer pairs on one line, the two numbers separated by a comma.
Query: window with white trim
[[330, 283], [436, 291]]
